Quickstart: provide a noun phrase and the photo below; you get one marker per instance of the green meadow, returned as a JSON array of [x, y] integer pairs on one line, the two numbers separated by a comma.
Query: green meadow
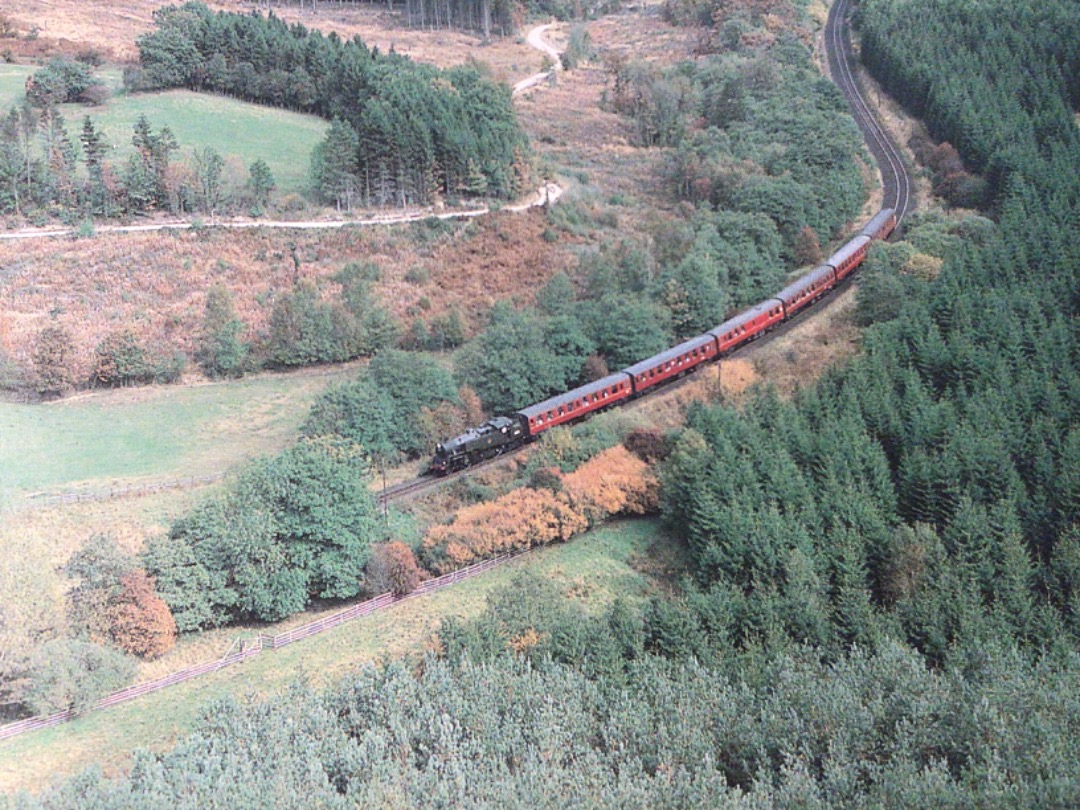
[[240, 132], [113, 437], [13, 84]]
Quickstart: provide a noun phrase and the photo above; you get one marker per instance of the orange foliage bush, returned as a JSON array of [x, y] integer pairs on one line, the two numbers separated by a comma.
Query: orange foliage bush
[[616, 481], [518, 520], [139, 622]]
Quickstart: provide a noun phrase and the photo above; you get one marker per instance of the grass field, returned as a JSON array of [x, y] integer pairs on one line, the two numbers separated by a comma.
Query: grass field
[[116, 437], [594, 568], [240, 132], [12, 85]]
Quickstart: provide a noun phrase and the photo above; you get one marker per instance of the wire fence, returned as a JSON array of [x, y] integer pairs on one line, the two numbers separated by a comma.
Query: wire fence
[[241, 650]]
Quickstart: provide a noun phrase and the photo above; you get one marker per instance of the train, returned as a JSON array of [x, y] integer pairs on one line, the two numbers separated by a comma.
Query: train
[[508, 432]]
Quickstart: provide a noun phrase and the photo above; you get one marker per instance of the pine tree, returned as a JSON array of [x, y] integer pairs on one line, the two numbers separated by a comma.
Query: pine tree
[[222, 352], [94, 149]]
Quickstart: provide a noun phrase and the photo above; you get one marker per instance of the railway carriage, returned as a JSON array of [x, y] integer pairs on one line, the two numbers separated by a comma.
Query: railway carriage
[[748, 325], [881, 225], [672, 363], [848, 258], [583, 400], [806, 290]]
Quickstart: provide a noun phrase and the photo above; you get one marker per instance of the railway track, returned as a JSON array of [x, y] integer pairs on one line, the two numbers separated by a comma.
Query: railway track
[[895, 176]]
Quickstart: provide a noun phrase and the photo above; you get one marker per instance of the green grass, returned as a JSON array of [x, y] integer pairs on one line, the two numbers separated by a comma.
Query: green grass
[[239, 131], [595, 568], [13, 85], [169, 431]]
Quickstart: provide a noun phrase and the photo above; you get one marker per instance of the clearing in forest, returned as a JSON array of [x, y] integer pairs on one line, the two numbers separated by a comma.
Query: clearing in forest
[[239, 131]]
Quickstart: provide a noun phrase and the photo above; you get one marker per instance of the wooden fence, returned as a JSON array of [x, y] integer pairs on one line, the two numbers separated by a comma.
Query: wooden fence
[[123, 491], [266, 642]]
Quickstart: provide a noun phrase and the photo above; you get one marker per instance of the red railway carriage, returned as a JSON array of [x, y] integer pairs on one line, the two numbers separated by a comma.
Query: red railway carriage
[[745, 326], [848, 258], [586, 399], [807, 289], [883, 224], [673, 363]]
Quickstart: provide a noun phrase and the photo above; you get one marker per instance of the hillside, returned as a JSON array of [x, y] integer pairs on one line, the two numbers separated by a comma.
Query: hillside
[[865, 591]]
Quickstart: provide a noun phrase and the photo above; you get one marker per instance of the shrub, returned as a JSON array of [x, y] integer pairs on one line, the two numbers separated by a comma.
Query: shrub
[[293, 527], [98, 569], [121, 359], [518, 520], [53, 361], [73, 674], [63, 80], [392, 568], [221, 353], [648, 444], [614, 482]]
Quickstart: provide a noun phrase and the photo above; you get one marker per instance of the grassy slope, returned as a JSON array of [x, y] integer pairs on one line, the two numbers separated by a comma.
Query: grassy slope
[[12, 85], [595, 568], [167, 431], [240, 132]]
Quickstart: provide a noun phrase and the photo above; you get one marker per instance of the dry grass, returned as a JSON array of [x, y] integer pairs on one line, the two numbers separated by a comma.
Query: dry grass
[[113, 26], [823, 338], [570, 130], [157, 283]]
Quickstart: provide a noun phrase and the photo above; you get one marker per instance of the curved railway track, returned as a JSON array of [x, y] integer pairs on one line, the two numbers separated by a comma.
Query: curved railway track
[[895, 177], [896, 182]]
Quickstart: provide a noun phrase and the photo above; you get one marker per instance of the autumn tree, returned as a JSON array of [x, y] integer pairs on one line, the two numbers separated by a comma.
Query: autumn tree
[[392, 568], [139, 621], [53, 360], [97, 570], [807, 248]]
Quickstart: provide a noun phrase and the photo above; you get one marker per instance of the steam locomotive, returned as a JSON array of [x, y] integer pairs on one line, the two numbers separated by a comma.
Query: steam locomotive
[[504, 433]]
